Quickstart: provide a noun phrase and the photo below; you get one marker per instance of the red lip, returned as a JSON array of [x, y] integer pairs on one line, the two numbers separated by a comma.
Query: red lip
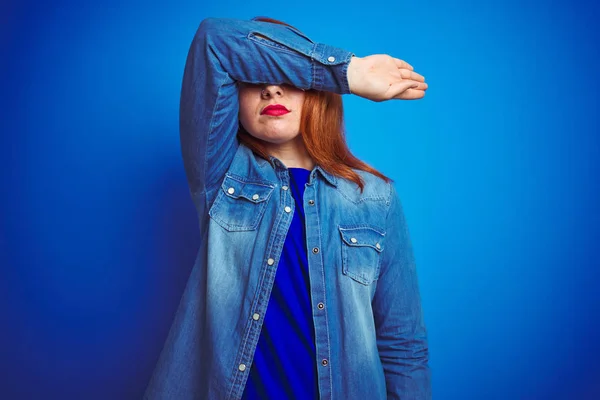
[[275, 109]]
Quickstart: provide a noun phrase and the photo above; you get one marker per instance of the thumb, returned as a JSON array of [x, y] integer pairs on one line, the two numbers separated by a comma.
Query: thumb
[[400, 87]]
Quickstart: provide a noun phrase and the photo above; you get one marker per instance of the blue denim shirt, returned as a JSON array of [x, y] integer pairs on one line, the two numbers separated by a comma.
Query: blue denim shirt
[[370, 336]]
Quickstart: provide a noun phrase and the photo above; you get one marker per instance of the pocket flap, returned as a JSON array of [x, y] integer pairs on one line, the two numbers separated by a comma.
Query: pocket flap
[[363, 236], [251, 191]]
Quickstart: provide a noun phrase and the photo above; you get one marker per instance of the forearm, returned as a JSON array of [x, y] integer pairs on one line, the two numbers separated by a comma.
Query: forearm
[[261, 52], [403, 346], [405, 363]]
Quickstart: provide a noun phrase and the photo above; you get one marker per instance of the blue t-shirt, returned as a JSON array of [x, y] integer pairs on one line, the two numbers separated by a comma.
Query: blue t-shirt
[[284, 365]]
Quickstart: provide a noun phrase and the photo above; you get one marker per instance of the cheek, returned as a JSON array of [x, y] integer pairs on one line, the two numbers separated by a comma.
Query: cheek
[[246, 102], [299, 103], [244, 116], [246, 111]]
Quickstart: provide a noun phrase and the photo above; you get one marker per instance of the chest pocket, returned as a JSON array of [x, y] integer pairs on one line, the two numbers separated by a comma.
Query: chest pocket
[[361, 252], [239, 205]]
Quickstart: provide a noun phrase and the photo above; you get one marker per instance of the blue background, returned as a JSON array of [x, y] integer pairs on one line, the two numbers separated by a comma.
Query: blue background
[[498, 170]]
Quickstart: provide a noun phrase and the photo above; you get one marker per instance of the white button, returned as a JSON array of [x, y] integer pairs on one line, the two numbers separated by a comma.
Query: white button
[[230, 190], [270, 261], [353, 240], [378, 246], [331, 59], [242, 367], [288, 209], [255, 197], [284, 187], [255, 317]]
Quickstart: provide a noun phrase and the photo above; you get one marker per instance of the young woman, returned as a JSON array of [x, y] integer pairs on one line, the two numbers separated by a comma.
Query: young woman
[[304, 286]]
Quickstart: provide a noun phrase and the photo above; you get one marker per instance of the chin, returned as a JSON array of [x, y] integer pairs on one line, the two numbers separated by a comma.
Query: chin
[[276, 138]]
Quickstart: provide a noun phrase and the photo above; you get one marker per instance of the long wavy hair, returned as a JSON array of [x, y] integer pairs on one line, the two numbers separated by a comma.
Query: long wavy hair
[[322, 130]]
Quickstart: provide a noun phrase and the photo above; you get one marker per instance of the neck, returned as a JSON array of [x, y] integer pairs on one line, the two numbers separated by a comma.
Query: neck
[[292, 154]]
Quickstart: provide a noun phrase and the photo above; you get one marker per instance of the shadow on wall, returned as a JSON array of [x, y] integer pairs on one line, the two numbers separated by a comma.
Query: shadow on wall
[[173, 239], [92, 316]]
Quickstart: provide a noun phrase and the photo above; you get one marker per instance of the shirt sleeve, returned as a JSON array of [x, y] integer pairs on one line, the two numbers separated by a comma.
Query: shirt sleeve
[[224, 51], [400, 327]]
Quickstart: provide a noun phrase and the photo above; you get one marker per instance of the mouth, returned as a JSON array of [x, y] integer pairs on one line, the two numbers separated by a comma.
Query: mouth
[[274, 110]]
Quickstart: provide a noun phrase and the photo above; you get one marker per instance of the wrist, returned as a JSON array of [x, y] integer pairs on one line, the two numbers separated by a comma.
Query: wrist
[[353, 68]]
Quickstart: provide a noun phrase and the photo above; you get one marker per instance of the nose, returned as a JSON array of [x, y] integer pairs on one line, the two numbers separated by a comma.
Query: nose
[[271, 90]]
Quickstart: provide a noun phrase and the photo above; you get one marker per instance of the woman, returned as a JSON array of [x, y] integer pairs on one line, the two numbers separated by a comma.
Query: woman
[[304, 286]]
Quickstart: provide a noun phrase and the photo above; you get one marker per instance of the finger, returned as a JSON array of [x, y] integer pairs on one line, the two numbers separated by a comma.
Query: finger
[[398, 88], [408, 74], [402, 64], [421, 86], [410, 94], [417, 84]]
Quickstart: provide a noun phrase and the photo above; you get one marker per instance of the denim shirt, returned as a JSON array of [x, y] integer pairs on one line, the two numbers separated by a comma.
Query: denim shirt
[[370, 336]]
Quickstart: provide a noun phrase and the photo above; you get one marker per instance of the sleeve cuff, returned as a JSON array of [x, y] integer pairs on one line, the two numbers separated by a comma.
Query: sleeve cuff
[[330, 70]]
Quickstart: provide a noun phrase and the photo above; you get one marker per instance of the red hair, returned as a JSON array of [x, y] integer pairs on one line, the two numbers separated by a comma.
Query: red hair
[[322, 130]]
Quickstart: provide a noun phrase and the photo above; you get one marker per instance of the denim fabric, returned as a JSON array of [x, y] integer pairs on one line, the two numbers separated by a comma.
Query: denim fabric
[[370, 336]]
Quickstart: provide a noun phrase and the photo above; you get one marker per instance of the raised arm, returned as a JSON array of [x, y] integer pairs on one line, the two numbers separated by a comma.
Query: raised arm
[[224, 51], [400, 328]]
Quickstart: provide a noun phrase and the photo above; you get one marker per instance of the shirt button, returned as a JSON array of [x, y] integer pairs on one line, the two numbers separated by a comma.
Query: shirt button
[[323, 363], [256, 316], [315, 250], [353, 240], [320, 306], [311, 202], [255, 197], [284, 187], [378, 246], [242, 367], [270, 261], [331, 59], [288, 209], [231, 190]]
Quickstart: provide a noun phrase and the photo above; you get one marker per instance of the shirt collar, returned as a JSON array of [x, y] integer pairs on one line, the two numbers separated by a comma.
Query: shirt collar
[[328, 177], [332, 179]]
